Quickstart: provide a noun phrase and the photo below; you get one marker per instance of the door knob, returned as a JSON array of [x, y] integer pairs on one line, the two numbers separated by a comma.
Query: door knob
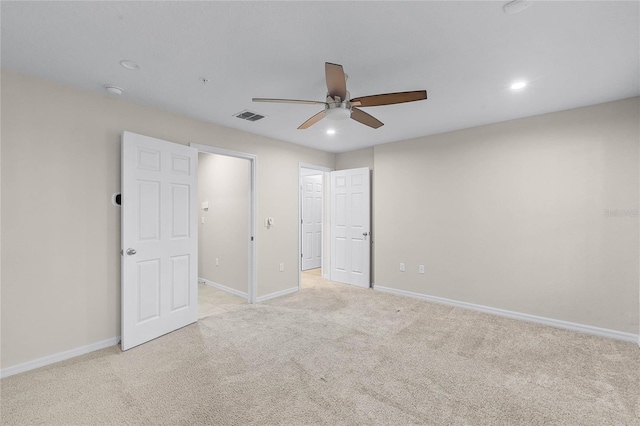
[[131, 251]]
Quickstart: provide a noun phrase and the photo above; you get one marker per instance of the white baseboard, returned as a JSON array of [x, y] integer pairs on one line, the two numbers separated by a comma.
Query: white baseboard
[[276, 294], [224, 288], [581, 328], [51, 359]]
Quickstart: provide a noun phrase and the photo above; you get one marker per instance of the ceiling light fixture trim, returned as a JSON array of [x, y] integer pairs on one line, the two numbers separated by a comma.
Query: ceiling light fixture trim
[[516, 6], [113, 90], [130, 65]]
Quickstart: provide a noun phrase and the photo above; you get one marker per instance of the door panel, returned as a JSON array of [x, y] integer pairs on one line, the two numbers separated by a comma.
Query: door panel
[[159, 238], [148, 285], [179, 282], [149, 211], [180, 206], [350, 222]]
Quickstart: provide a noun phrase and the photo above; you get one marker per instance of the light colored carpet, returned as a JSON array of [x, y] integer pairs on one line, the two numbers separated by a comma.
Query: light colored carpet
[[339, 355], [212, 301]]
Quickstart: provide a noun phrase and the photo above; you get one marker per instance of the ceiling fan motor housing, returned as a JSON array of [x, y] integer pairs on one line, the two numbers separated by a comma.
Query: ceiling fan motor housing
[[338, 109]]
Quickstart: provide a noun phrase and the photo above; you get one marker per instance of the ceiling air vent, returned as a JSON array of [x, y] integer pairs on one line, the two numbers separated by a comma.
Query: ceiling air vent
[[249, 115]]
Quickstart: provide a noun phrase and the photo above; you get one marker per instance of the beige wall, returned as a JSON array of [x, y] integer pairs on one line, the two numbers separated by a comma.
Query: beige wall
[[512, 215], [355, 159], [60, 232], [224, 182]]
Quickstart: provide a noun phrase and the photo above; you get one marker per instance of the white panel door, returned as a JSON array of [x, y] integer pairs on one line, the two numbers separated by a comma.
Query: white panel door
[[311, 222], [159, 238], [350, 227]]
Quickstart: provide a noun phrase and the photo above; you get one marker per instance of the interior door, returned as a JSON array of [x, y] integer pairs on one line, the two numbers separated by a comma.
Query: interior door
[[350, 227], [159, 238], [311, 222]]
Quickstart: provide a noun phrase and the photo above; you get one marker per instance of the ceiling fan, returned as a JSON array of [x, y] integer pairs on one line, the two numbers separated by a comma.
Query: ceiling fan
[[339, 106]]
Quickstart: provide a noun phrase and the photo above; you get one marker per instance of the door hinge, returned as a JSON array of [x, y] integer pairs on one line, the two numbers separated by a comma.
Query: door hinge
[[252, 238]]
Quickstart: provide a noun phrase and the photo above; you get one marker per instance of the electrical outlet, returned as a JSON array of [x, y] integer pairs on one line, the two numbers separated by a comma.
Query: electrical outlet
[[421, 269], [202, 220], [217, 262], [281, 267], [402, 267]]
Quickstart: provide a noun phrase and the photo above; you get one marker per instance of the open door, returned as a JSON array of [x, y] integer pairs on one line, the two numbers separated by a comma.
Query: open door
[[350, 227], [159, 238]]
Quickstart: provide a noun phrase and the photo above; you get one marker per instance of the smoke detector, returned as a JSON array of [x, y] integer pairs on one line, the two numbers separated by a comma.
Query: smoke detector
[[113, 90]]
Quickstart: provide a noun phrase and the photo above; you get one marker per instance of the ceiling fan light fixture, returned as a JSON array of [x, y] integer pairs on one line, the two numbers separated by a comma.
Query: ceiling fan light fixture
[[338, 113]]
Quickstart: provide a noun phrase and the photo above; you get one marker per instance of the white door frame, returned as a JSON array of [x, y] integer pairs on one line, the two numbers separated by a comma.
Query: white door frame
[[252, 290], [324, 201]]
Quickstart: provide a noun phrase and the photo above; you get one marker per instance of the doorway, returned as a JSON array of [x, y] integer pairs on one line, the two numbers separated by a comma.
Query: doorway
[[226, 229], [223, 232], [312, 227]]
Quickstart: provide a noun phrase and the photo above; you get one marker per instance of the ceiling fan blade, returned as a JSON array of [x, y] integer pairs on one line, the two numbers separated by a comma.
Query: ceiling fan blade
[[389, 98], [366, 119], [336, 81], [313, 120], [288, 101]]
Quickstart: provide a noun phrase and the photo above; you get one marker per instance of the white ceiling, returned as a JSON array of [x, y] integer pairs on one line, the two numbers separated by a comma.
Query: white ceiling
[[466, 54]]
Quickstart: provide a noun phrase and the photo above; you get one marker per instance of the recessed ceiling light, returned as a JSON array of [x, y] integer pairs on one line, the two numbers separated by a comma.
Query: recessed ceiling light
[[130, 65], [331, 132], [113, 90], [518, 85]]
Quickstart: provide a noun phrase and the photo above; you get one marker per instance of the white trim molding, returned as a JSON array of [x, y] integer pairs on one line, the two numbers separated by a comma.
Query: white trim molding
[[61, 356], [224, 288], [581, 328], [277, 294]]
